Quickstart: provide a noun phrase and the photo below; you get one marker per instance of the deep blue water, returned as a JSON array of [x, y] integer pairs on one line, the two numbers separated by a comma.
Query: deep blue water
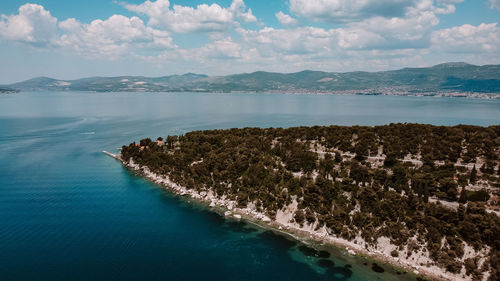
[[69, 212]]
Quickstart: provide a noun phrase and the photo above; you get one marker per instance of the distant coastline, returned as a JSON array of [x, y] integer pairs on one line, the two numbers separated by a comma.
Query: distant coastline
[[462, 95], [449, 80], [8, 90]]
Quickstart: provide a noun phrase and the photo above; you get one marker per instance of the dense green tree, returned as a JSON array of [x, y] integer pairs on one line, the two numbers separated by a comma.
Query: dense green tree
[[346, 193], [473, 175]]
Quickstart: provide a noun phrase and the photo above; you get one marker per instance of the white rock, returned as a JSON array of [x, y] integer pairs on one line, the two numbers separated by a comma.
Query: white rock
[[237, 216]]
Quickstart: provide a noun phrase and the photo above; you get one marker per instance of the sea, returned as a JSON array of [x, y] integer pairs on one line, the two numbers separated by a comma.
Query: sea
[[69, 212]]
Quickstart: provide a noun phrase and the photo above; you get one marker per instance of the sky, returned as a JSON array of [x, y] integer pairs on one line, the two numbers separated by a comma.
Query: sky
[[69, 39]]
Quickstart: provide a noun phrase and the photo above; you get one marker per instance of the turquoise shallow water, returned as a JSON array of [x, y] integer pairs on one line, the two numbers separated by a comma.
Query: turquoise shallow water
[[68, 212]]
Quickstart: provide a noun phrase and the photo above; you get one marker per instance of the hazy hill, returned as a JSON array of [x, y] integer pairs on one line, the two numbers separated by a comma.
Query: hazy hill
[[444, 77]]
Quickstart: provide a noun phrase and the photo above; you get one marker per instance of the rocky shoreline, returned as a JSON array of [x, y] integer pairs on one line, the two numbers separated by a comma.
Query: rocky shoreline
[[283, 224]]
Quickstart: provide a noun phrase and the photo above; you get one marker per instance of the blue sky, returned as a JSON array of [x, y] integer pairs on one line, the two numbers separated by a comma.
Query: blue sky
[[73, 39]]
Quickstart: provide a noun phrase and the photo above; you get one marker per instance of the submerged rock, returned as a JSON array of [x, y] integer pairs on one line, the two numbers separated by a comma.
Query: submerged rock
[[308, 251], [323, 254], [377, 268], [325, 263]]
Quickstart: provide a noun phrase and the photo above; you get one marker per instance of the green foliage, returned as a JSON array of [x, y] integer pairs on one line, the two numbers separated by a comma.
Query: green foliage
[[473, 175], [480, 195], [395, 253], [272, 167]]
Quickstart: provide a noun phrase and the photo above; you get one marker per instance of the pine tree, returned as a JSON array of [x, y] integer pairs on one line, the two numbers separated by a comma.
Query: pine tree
[[473, 175]]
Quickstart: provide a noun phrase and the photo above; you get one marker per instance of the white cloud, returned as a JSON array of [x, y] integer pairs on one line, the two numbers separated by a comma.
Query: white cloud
[[284, 18], [239, 9], [348, 10], [183, 19], [408, 32], [111, 37], [302, 40], [435, 6], [468, 39], [288, 50], [495, 4], [397, 33], [33, 24], [358, 10], [381, 24], [224, 48]]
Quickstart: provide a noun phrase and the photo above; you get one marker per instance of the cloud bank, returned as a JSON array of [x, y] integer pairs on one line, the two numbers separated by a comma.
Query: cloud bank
[[182, 19], [356, 34]]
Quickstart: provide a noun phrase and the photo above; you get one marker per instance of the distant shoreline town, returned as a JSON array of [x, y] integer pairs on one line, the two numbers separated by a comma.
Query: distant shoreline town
[[400, 93]]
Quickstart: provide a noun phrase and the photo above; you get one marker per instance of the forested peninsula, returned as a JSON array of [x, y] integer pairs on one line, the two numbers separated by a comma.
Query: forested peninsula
[[420, 196]]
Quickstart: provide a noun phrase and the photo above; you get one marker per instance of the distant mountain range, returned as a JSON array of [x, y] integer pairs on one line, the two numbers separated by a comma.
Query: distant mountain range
[[448, 77]]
